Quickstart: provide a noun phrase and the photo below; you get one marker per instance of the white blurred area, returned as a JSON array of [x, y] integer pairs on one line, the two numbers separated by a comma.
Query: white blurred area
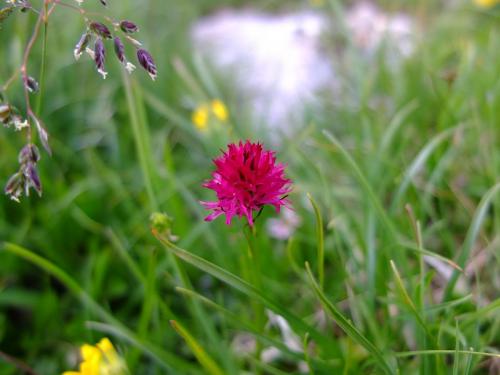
[[278, 59], [370, 27]]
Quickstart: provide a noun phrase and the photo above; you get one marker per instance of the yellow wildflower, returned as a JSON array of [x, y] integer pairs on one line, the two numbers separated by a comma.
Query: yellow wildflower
[[219, 110], [101, 359], [486, 3], [200, 117], [206, 112]]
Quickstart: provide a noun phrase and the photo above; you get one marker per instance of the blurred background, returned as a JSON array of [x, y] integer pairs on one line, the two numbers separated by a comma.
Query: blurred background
[[410, 89]]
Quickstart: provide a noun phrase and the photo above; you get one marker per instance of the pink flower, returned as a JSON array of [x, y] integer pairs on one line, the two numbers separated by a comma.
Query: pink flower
[[247, 178]]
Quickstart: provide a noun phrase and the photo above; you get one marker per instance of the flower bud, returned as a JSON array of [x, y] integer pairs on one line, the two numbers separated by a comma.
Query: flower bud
[[128, 27], [119, 49], [147, 62], [81, 45], [120, 54], [100, 57], [31, 175], [13, 184], [100, 29], [161, 225], [29, 154], [5, 112], [42, 133], [32, 85]]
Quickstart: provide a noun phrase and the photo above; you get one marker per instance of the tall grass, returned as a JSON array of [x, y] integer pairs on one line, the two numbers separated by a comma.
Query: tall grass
[[393, 270]]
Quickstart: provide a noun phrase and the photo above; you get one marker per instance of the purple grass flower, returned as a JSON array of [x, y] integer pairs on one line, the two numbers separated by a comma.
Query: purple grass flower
[[120, 54], [100, 29], [128, 27], [147, 62], [100, 57]]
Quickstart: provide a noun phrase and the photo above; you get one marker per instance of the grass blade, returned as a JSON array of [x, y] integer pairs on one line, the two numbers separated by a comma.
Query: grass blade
[[208, 363], [419, 163], [372, 197], [456, 360], [420, 250], [251, 328], [164, 358], [395, 124], [407, 299], [246, 288], [348, 327], [470, 239], [321, 241], [445, 352]]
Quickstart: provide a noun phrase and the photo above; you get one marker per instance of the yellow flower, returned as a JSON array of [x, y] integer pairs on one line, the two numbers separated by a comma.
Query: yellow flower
[[219, 110], [101, 359], [486, 3], [206, 112], [200, 117]]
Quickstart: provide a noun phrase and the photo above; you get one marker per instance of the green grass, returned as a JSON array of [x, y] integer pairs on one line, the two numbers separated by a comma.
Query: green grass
[[398, 173]]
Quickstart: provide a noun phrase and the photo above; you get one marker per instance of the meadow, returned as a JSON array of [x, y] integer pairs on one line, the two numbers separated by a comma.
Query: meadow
[[388, 264]]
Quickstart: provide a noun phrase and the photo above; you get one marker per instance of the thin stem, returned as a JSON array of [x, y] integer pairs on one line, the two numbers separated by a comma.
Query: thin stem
[[255, 278], [139, 142], [24, 66], [17, 363], [42, 18], [445, 351], [41, 78]]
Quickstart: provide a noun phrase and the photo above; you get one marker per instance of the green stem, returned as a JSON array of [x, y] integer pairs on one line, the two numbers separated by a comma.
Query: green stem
[[140, 142], [253, 264], [41, 78], [445, 351]]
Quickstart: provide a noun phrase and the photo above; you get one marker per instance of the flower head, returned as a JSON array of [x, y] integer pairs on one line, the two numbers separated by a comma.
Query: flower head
[[100, 57], [146, 61], [219, 109], [205, 112], [128, 27], [246, 179], [100, 29], [120, 54], [82, 44], [200, 117], [100, 359]]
